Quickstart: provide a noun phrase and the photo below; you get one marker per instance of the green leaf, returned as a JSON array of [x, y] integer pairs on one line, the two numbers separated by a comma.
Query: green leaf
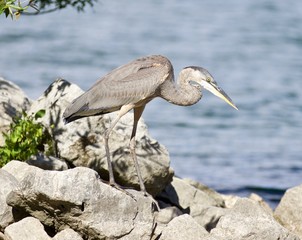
[[40, 114], [25, 138]]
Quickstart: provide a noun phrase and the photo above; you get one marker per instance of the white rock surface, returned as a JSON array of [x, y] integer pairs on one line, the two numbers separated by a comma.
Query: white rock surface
[[248, 220], [7, 183], [183, 227], [203, 204], [27, 229], [67, 234], [78, 199], [12, 101], [289, 210], [47, 162]]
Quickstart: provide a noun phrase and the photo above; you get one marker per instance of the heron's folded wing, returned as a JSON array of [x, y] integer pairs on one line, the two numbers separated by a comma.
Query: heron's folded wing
[[132, 83], [128, 84]]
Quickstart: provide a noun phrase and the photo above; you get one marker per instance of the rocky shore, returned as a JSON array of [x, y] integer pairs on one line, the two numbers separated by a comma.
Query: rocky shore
[[66, 196]]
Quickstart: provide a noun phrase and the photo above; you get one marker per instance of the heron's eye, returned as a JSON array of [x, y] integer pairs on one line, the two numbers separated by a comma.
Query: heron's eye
[[208, 79]]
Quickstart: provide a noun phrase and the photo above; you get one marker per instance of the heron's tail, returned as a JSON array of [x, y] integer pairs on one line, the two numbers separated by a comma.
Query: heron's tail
[[71, 118]]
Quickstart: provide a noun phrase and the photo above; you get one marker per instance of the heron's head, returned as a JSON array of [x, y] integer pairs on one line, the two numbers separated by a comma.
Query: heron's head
[[201, 78]]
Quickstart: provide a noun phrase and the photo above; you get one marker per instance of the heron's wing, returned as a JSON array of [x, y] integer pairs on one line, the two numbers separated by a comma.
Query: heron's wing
[[132, 83]]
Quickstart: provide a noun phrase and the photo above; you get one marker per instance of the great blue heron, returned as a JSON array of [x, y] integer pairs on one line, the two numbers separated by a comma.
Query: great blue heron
[[132, 86]]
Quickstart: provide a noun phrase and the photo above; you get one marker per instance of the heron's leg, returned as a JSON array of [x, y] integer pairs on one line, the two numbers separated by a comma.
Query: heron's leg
[[137, 114], [122, 112]]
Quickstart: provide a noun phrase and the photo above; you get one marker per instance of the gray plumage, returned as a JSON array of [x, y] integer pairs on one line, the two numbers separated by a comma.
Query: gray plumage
[[133, 85]]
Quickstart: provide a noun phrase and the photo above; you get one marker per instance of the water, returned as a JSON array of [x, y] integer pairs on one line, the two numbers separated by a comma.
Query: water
[[253, 49]]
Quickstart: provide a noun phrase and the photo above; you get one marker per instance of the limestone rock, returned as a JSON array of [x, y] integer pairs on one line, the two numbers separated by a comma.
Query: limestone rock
[[2, 236], [165, 215], [77, 198], [7, 184], [230, 200], [12, 101], [210, 216], [47, 162], [212, 193], [261, 202], [67, 234], [81, 142], [27, 229], [14, 168], [183, 227], [249, 220], [194, 201], [289, 210]]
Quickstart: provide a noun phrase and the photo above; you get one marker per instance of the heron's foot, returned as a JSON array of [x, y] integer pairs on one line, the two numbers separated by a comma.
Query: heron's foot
[[155, 205], [120, 188]]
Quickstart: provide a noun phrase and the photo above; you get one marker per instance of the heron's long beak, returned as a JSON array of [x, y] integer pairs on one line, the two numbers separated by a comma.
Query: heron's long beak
[[217, 91]]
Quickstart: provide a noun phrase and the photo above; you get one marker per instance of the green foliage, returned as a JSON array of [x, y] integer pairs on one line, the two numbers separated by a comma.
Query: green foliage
[[14, 8], [49, 5], [25, 138], [9, 8]]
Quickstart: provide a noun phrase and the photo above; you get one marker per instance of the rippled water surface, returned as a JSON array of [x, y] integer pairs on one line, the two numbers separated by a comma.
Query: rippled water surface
[[253, 49]]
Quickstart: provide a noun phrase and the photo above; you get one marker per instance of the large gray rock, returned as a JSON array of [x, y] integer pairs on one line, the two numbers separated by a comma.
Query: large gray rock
[[261, 202], [183, 227], [249, 220], [47, 162], [81, 142], [165, 215], [67, 234], [230, 201], [289, 210], [78, 199], [2, 236], [203, 204], [209, 191], [7, 184], [12, 101], [30, 228], [27, 229]]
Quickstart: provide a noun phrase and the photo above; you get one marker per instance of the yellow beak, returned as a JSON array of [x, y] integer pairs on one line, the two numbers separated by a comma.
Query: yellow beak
[[217, 91]]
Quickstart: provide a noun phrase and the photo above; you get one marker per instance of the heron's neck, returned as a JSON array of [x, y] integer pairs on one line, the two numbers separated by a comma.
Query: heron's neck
[[180, 93]]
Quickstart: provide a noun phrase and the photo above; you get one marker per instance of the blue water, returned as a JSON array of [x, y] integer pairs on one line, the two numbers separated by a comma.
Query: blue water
[[253, 49]]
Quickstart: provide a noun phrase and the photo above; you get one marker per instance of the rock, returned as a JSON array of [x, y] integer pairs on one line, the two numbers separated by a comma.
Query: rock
[[13, 168], [230, 200], [47, 162], [213, 194], [248, 220], [77, 198], [27, 229], [261, 202], [12, 101], [210, 216], [67, 234], [81, 142], [289, 210], [8, 183], [193, 201], [2, 236], [183, 227], [165, 215]]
